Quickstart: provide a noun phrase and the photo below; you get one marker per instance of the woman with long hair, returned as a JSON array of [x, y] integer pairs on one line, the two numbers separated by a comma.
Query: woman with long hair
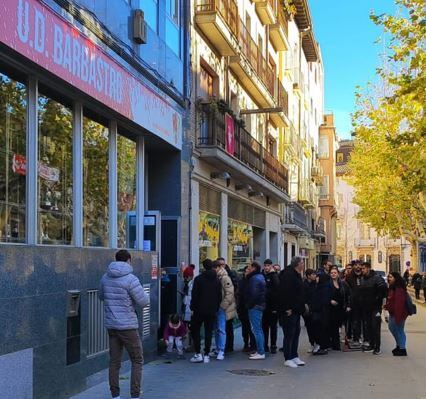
[[396, 305]]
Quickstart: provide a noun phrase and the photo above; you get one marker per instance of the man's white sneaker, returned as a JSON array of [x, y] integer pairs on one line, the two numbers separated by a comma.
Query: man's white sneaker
[[311, 349], [290, 363], [206, 359], [257, 356], [197, 358], [316, 348], [213, 353], [220, 355], [298, 361]]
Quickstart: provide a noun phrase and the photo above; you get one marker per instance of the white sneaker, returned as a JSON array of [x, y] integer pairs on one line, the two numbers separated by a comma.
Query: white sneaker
[[206, 359], [197, 358], [311, 349], [298, 361], [316, 348], [257, 356], [290, 363], [213, 353], [220, 355]]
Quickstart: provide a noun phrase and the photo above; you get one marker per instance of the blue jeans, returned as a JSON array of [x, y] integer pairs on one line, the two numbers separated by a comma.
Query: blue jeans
[[220, 335], [291, 330], [398, 332], [255, 316]]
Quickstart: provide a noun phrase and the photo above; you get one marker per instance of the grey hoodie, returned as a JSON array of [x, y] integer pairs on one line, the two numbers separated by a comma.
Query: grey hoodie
[[121, 291]]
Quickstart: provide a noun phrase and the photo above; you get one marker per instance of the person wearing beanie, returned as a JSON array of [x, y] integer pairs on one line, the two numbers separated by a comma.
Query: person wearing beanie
[[205, 301]]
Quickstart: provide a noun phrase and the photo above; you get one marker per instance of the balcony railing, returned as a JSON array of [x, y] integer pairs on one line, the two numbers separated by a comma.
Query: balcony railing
[[228, 10], [282, 20], [365, 242], [282, 97], [296, 215], [256, 59], [247, 149]]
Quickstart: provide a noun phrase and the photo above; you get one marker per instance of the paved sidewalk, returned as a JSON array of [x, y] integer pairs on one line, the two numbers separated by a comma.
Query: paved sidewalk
[[339, 375]]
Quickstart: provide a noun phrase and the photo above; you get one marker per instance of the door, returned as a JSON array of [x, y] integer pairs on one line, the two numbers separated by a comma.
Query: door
[[394, 263]]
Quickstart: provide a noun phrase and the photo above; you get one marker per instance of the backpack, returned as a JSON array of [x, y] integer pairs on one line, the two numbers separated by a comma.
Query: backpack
[[410, 306]]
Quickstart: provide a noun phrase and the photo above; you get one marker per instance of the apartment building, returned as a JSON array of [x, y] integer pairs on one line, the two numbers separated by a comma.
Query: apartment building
[[257, 105], [356, 239]]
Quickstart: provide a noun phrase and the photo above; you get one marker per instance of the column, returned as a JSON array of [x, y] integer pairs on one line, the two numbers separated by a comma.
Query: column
[[77, 158], [194, 256], [140, 191], [223, 233], [112, 180]]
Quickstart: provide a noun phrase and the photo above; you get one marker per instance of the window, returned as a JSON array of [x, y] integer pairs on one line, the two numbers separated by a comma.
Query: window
[[207, 81], [150, 10], [324, 189], [323, 152], [95, 184], [173, 26], [339, 231], [380, 257], [55, 184], [126, 186], [339, 157], [13, 107], [364, 231], [172, 8]]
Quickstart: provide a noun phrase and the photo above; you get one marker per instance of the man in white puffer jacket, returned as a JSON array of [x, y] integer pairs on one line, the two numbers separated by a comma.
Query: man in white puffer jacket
[[121, 291]]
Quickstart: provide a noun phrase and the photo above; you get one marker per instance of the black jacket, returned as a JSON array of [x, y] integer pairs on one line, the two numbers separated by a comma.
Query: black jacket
[[372, 291], [354, 283], [272, 281], [321, 296], [292, 291], [255, 297], [310, 287], [206, 294]]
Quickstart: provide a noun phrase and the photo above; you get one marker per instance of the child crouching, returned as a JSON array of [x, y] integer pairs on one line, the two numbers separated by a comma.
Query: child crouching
[[174, 333]]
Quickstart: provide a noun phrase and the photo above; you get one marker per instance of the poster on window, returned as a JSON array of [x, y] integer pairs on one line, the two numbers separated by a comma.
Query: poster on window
[[209, 230], [230, 134]]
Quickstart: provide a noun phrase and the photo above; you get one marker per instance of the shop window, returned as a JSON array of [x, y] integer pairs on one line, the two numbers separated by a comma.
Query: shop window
[[55, 188], [126, 185], [240, 244], [13, 106], [95, 184]]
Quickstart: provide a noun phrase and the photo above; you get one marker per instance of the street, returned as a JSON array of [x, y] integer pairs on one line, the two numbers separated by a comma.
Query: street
[[348, 375]]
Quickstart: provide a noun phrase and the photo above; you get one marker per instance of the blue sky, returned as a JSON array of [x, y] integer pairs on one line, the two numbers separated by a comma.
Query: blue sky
[[346, 36]]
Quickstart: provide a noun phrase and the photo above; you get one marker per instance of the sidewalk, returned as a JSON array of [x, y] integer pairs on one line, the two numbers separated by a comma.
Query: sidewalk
[[348, 375]]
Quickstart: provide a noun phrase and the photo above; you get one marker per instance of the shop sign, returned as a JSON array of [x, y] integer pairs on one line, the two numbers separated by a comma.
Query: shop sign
[[19, 166], [230, 134], [38, 33], [209, 227]]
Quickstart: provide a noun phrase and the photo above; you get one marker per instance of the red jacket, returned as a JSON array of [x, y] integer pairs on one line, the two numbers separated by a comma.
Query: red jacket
[[397, 304], [179, 331]]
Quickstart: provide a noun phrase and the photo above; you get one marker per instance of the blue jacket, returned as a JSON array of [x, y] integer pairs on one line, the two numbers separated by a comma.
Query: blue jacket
[[256, 291], [121, 291]]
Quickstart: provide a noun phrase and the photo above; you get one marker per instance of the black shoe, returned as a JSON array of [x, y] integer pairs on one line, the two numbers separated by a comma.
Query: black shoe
[[368, 349], [377, 352], [281, 349], [401, 352], [267, 349], [320, 352], [246, 348], [273, 350], [395, 350]]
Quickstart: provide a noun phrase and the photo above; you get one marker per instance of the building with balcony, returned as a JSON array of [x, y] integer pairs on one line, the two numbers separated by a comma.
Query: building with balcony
[[355, 239], [327, 194], [257, 96]]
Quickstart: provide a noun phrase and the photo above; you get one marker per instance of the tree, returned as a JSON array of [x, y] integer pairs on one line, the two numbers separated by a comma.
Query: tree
[[388, 164]]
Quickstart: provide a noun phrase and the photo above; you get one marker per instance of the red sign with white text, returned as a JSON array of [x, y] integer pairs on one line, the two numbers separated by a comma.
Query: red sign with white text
[[38, 33]]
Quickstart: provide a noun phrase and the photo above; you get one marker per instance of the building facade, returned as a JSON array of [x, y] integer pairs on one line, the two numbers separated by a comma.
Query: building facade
[[92, 111], [257, 98], [355, 239]]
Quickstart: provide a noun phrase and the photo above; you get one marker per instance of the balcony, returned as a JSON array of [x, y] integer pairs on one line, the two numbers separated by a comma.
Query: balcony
[[317, 174], [319, 231], [278, 33], [253, 70], [292, 142], [249, 160], [365, 242], [281, 118], [295, 219], [218, 20], [307, 195], [266, 11]]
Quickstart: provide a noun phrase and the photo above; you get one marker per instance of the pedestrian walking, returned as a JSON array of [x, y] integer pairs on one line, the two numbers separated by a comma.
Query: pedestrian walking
[[310, 283], [292, 306], [424, 286], [255, 303], [373, 291], [396, 305], [205, 302], [227, 309], [248, 337], [270, 314], [339, 305], [407, 276], [416, 282], [121, 291], [174, 333]]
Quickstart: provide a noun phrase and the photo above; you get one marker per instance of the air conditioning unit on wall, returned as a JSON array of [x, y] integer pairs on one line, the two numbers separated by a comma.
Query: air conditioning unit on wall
[[139, 27]]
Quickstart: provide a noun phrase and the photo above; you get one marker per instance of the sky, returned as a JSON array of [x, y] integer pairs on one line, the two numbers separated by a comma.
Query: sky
[[347, 40]]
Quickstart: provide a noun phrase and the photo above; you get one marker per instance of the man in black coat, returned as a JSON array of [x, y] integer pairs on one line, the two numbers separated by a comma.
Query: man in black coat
[[270, 314], [248, 337], [205, 301], [292, 306]]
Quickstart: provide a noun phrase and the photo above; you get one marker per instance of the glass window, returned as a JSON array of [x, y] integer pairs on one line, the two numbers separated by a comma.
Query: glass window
[[240, 244], [208, 236], [172, 8], [323, 147], [150, 9], [95, 184], [126, 195], [55, 188], [13, 105], [173, 26]]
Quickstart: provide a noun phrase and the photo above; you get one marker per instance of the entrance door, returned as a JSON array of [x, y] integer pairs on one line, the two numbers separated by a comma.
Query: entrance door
[[394, 263]]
